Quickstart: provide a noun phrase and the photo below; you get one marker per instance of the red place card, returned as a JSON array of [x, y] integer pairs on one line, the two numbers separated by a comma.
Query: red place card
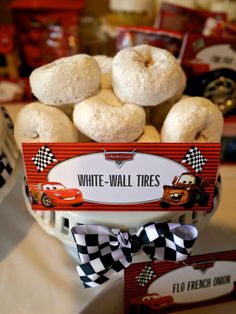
[[169, 287], [121, 177]]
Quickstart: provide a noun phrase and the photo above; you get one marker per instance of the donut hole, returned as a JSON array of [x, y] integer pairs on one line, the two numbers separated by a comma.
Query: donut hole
[[35, 136], [148, 63], [201, 136], [198, 135]]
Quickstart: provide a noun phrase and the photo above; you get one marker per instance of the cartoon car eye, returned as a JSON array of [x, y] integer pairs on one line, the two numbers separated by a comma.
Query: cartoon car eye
[[47, 187], [151, 297], [187, 179], [53, 187], [147, 298]]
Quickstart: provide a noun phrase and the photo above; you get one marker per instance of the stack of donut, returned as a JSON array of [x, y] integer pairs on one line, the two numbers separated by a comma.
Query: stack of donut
[[135, 96]]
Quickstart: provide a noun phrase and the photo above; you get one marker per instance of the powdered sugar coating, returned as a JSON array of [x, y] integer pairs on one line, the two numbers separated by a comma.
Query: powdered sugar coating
[[106, 119], [146, 75], [37, 122], [66, 80], [159, 113], [104, 63], [193, 119]]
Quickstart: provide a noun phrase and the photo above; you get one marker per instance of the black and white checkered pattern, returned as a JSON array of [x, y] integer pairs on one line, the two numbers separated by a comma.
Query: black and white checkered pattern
[[195, 159], [104, 252], [145, 276], [7, 118], [5, 169], [43, 158]]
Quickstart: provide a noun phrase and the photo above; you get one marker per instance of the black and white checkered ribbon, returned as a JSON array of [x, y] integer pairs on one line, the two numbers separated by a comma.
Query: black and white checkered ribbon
[[8, 152], [104, 252], [7, 118], [5, 169]]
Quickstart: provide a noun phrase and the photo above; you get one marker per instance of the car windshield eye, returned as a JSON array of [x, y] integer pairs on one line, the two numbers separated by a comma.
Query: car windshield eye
[[53, 187], [146, 299], [59, 187], [47, 187], [151, 297], [187, 179]]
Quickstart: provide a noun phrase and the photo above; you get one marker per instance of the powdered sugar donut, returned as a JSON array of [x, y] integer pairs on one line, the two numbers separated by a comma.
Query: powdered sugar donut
[[37, 122], [104, 63], [159, 113], [150, 135], [104, 118], [66, 80], [146, 75], [193, 119]]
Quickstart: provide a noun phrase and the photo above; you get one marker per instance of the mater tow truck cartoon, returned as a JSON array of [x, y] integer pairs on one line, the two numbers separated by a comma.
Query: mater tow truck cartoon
[[52, 194], [187, 190]]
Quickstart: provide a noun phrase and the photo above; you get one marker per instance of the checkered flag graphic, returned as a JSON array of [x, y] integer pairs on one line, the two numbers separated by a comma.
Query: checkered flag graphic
[[146, 274], [195, 159], [5, 169], [43, 158], [104, 252]]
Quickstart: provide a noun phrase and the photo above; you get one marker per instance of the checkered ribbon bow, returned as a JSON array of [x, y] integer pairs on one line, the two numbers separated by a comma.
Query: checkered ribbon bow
[[104, 252]]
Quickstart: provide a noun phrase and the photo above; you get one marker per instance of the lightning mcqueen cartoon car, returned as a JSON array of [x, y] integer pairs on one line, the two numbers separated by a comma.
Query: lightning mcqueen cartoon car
[[150, 303], [52, 194]]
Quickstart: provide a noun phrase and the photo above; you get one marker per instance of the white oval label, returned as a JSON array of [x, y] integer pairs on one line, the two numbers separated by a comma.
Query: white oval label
[[188, 285], [218, 56], [117, 177]]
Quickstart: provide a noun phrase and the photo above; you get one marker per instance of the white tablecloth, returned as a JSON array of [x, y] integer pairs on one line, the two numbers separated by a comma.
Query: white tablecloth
[[37, 276]]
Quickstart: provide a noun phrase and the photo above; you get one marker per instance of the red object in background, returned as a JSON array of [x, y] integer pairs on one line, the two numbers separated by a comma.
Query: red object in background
[[200, 54], [48, 4], [132, 36], [46, 30], [182, 19], [223, 29], [7, 39], [210, 65]]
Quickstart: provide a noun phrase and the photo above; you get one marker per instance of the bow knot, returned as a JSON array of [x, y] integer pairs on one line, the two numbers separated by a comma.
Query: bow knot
[[122, 239], [103, 252]]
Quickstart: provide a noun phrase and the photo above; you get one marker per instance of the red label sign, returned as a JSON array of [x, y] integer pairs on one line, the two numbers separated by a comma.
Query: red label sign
[[121, 177], [171, 287]]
